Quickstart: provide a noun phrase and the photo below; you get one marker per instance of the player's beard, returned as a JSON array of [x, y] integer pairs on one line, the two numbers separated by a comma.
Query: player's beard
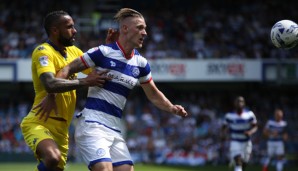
[[66, 41]]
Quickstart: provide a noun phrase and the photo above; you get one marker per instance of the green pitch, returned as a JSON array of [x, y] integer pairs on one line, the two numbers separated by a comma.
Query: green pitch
[[138, 167]]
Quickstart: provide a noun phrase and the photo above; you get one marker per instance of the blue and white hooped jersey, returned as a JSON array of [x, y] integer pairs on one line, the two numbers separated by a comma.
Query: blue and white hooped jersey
[[279, 127], [105, 105], [238, 124]]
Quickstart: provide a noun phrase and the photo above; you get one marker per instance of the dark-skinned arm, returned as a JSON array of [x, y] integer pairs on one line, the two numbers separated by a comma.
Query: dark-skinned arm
[[60, 84]]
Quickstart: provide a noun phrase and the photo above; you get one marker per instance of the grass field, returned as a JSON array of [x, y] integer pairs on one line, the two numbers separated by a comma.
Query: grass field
[[138, 167]]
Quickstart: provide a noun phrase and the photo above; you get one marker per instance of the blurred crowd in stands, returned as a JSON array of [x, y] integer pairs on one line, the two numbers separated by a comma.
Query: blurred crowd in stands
[[154, 136], [176, 29]]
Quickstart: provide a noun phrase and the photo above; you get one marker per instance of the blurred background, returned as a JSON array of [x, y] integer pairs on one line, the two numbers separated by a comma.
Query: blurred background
[[202, 54]]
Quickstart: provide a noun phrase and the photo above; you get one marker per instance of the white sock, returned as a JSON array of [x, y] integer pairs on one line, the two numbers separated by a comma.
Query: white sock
[[279, 165], [238, 168]]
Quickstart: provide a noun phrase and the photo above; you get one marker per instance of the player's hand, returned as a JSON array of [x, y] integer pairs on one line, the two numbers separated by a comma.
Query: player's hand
[[96, 78], [285, 137], [47, 104], [248, 133], [274, 134], [112, 36], [179, 110]]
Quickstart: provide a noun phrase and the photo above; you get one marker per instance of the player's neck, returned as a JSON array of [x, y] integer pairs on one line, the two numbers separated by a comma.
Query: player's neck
[[125, 48], [239, 111], [278, 120], [56, 44]]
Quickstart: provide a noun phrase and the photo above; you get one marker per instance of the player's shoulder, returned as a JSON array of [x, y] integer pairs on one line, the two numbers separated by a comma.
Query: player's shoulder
[[230, 114], [284, 123], [270, 122], [139, 56], [141, 60], [74, 51], [74, 48], [105, 49], [248, 112], [137, 53], [43, 49], [111, 47]]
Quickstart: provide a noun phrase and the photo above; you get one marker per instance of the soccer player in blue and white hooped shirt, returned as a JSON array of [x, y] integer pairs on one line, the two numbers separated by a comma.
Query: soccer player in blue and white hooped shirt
[[241, 124], [276, 132], [99, 131]]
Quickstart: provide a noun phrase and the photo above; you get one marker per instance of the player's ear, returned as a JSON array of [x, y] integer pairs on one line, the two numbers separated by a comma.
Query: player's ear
[[124, 28], [54, 30]]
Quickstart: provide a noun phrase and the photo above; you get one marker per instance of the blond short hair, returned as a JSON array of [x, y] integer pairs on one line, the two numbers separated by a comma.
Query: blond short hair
[[124, 13]]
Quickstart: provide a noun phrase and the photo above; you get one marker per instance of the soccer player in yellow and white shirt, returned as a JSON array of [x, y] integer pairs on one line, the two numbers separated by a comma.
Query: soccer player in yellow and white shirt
[[46, 133]]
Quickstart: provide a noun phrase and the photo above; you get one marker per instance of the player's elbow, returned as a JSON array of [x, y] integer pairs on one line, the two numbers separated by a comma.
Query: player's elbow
[[49, 82], [50, 86]]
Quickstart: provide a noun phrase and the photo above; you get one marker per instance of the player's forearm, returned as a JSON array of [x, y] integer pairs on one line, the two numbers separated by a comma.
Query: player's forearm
[[253, 130], [74, 67], [64, 72], [160, 101], [224, 129], [59, 85], [266, 132], [63, 85], [285, 137], [223, 132]]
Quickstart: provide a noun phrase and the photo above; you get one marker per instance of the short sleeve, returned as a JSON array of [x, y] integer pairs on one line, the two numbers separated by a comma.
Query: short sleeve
[[254, 119], [145, 73], [43, 60], [93, 57]]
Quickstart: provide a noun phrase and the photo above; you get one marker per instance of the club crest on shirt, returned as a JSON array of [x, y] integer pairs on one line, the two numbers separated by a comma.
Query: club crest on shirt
[[100, 152], [44, 61], [135, 71]]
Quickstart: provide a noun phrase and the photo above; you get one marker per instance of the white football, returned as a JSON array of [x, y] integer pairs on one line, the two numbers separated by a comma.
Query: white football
[[284, 34]]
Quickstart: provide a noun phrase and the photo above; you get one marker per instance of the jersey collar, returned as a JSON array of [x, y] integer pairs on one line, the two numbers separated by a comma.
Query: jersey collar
[[61, 51], [127, 56]]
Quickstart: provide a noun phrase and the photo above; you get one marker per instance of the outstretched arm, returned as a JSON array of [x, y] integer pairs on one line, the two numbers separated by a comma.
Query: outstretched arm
[[60, 84], [160, 100]]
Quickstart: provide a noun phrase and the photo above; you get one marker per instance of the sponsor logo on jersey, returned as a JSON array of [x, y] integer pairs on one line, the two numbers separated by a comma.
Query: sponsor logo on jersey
[[122, 79]]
